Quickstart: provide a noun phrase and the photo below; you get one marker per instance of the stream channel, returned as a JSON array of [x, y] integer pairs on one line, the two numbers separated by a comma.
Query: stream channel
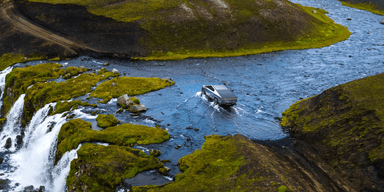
[[266, 85]]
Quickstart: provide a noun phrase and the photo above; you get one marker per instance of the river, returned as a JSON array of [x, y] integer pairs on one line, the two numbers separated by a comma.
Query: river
[[266, 85]]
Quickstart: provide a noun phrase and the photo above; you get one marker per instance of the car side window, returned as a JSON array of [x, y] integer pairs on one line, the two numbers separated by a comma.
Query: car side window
[[210, 88]]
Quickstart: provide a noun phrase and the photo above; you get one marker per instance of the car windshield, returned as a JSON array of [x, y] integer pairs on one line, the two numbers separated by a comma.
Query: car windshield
[[225, 93]]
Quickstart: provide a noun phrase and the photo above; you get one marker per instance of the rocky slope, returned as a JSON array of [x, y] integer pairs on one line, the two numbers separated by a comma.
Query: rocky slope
[[345, 125], [168, 30]]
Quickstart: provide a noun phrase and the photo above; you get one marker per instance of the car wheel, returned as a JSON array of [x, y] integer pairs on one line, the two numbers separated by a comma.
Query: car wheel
[[215, 102]]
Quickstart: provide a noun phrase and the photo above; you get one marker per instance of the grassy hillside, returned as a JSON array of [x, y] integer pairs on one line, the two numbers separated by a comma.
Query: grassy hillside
[[178, 29], [346, 125]]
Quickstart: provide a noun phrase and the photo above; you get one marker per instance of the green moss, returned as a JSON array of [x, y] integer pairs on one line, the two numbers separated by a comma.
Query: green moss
[[135, 100], [365, 6], [77, 131], [282, 188], [55, 58], [72, 71], [105, 121], [66, 106], [9, 59], [44, 93], [128, 85], [102, 168], [345, 122]]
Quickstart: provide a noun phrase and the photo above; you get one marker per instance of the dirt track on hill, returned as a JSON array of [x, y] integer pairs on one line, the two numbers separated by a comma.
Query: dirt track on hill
[[11, 15]]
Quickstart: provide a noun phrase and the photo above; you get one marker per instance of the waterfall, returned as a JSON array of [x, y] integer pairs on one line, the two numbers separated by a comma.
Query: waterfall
[[3, 74], [12, 127]]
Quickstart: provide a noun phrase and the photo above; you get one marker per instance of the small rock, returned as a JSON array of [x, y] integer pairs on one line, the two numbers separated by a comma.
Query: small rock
[[164, 170], [154, 152], [25, 59], [19, 141], [8, 143], [300, 98], [124, 73], [259, 64], [124, 101], [68, 75], [81, 68], [113, 84], [82, 59], [181, 92], [1, 160], [41, 189], [313, 11], [349, 19], [115, 71], [306, 76], [105, 64], [178, 146], [168, 79], [196, 129], [350, 56], [188, 139], [382, 21], [137, 108], [29, 188], [189, 127], [120, 110]]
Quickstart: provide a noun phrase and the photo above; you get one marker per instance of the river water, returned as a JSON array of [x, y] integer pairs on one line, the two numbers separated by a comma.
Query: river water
[[266, 85]]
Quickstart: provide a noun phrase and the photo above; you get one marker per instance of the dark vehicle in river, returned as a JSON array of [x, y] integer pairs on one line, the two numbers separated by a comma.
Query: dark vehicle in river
[[220, 95]]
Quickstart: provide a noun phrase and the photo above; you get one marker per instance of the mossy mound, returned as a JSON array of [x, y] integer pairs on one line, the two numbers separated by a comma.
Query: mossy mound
[[374, 6], [345, 124], [130, 86], [10, 59], [44, 93], [235, 163], [61, 107], [102, 168], [105, 121], [77, 131], [18, 81], [177, 29]]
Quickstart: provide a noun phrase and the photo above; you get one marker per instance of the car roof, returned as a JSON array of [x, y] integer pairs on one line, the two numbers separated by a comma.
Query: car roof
[[220, 87]]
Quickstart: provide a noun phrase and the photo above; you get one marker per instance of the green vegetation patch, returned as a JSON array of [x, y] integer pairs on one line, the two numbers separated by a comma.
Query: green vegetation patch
[[345, 123], [130, 86], [105, 121], [365, 6], [102, 168], [77, 131], [227, 164], [18, 81], [44, 93], [61, 107], [10, 59]]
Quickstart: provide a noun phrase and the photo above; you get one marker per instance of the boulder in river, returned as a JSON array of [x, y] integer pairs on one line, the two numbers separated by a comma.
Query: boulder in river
[[8, 143], [115, 71], [137, 108], [106, 64], [382, 21], [124, 101]]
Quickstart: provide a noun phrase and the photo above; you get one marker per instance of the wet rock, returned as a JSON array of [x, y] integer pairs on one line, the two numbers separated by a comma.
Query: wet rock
[[29, 188], [68, 75], [168, 79], [196, 129], [82, 59], [178, 147], [19, 141], [189, 127], [349, 19], [113, 84], [188, 139], [115, 71], [8, 143], [41, 189], [382, 21], [1, 160], [124, 101], [120, 110], [164, 170], [154, 152], [106, 64], [137, 108]]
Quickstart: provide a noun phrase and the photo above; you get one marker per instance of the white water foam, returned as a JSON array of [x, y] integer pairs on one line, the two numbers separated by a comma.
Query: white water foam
[[3, 74], [114, 100], [33, 164], [12, 127]]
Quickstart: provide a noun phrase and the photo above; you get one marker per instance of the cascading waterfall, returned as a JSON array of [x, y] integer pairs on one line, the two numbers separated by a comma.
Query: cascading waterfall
[[3, 74], [12, 127]]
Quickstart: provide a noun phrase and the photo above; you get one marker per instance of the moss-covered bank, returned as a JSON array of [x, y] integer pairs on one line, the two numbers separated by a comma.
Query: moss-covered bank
[[102, 168], [61, 107], [10, 59], [77, 131], [20, 79], [345, 124], [235, 163], [130, 86], [105, 121], [176, 29], [374, 6]]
